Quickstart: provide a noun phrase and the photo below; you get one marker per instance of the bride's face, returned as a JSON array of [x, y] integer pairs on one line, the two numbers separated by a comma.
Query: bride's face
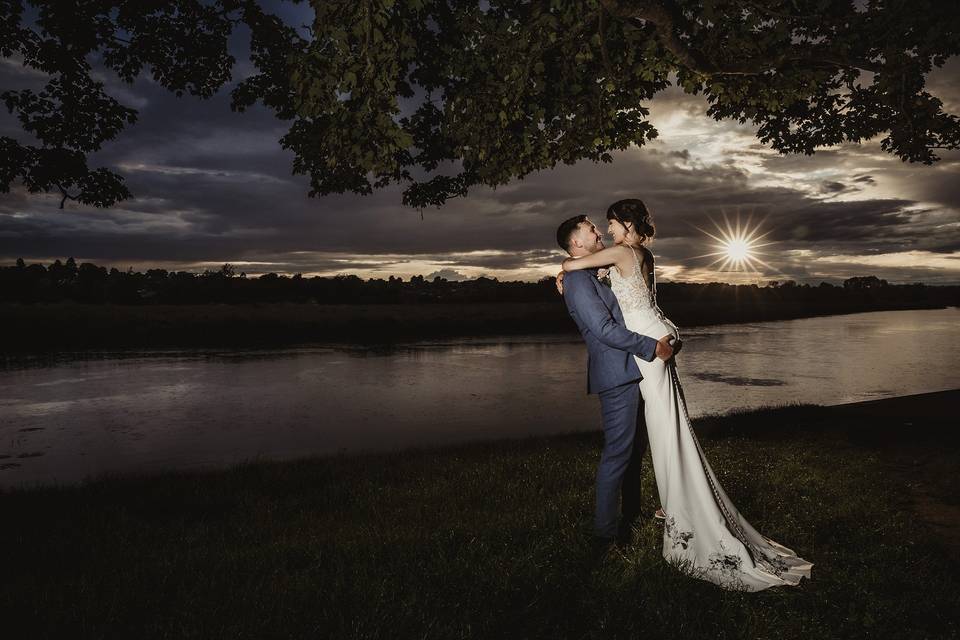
[[617, 231]]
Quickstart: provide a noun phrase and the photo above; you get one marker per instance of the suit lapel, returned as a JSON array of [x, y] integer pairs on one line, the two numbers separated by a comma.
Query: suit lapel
[[609, 299]]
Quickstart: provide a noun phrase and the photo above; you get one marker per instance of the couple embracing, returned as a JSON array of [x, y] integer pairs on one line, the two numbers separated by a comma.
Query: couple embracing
[[631, 367]]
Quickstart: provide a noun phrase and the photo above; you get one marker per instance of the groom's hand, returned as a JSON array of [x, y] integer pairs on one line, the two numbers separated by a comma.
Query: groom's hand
[[677, 345], [664, 350]]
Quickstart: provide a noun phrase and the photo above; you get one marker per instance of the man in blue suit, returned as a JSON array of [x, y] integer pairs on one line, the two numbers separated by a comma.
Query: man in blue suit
[[613, 374]]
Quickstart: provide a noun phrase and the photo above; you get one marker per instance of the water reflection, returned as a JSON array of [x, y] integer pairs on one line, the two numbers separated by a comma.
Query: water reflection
[[65, 417], [739, 381]]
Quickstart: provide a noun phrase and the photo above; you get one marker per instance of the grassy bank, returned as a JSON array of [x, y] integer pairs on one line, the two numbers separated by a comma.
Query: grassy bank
[[492, 541], [29, 328]]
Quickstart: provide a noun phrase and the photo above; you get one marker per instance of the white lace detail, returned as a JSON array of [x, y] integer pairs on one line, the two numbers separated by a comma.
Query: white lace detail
[[634, 296]]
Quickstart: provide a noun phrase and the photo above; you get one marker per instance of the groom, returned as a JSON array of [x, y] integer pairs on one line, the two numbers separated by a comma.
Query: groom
[[613, 374]]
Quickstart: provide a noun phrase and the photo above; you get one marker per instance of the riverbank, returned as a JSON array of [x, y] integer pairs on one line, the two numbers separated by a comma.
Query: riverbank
[[492, 540], [34, 328]]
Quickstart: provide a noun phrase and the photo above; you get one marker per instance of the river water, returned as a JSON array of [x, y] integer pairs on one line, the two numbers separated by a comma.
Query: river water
[[84, 414]]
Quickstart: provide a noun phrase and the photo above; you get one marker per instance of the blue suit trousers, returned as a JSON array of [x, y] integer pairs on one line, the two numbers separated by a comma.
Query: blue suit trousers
[[619, 473]]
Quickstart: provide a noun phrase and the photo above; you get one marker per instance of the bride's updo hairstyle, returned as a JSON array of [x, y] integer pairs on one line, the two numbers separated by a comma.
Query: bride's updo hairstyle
[[633, 211]]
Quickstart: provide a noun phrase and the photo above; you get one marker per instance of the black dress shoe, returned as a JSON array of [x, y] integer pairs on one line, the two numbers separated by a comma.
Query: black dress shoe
[[625, 533], [601, 546]]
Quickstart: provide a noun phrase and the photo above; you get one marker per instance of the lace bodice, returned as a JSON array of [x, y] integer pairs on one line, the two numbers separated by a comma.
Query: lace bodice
[[631, 290], [633, 294]]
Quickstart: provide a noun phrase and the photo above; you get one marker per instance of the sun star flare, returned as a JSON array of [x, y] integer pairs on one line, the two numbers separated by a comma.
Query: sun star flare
[[737, 246]]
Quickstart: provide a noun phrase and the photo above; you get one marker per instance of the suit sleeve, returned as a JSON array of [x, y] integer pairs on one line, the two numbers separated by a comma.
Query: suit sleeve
[[589, 312]]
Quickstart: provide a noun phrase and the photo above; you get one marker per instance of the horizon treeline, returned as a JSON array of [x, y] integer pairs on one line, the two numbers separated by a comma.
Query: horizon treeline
[[93, 284]]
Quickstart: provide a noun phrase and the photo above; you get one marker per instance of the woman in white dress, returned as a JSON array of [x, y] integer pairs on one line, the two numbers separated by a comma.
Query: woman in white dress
[[704, 533]]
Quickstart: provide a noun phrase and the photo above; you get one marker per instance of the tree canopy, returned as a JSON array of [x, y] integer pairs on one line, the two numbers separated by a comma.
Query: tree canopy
[[442, 95]]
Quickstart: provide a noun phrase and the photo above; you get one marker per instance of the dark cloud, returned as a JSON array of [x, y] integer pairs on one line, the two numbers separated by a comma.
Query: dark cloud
[[833, 187]]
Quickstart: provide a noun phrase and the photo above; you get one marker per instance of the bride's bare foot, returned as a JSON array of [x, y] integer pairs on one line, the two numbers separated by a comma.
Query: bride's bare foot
[[660, 515]]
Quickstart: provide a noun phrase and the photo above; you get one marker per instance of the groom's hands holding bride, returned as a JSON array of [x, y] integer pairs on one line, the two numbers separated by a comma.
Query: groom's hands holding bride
[[666, 350]]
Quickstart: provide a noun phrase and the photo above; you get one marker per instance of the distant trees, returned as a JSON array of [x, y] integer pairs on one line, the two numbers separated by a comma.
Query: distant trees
[[688, 303], [782, 283], [864, 282], [142, 311], [89, 283]]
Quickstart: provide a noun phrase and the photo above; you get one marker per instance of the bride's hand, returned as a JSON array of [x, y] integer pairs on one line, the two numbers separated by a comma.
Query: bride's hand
[[560, 283]]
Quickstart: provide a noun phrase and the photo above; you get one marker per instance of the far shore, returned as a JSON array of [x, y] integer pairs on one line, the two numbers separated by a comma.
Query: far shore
[[491, 540], [45, 327]]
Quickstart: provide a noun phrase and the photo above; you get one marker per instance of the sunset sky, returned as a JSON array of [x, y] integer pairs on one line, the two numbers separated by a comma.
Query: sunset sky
[[212, 186]]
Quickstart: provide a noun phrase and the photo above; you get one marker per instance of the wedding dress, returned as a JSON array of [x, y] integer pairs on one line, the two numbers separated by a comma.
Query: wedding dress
[[704, 534]]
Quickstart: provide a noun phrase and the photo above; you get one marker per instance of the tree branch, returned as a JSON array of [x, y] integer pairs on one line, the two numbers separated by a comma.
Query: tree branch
[[760, 8], [601, 30], [65, 194], [669, 21], [667, 24]]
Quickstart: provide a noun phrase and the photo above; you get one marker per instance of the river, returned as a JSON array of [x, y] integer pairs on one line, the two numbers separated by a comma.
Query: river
[[89, 413]]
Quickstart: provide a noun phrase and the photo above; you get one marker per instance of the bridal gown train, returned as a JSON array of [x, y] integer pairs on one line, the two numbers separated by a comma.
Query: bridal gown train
[[704, 533]]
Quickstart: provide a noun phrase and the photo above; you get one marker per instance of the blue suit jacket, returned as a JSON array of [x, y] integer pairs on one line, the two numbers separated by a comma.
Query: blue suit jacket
[[610, 345]]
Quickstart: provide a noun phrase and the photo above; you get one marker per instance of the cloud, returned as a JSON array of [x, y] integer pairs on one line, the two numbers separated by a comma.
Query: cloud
[[828, 186]]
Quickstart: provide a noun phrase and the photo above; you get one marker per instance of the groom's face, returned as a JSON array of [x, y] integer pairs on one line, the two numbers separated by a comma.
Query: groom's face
[[587, 239]]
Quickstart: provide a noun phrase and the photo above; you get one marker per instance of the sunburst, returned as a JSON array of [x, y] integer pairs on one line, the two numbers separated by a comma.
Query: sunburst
[[737, 246]]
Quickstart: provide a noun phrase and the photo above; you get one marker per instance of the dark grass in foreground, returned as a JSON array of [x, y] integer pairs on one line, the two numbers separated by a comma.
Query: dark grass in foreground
[[487, 540]]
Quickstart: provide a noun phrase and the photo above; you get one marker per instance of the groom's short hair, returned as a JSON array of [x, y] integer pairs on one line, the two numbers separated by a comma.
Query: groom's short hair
[[566, 229]]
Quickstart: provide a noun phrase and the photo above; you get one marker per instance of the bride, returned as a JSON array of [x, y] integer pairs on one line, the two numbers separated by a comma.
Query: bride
[[704, 533]]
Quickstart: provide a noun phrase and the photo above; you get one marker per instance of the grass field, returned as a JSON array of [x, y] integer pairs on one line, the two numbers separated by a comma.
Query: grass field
[[492, 541]]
